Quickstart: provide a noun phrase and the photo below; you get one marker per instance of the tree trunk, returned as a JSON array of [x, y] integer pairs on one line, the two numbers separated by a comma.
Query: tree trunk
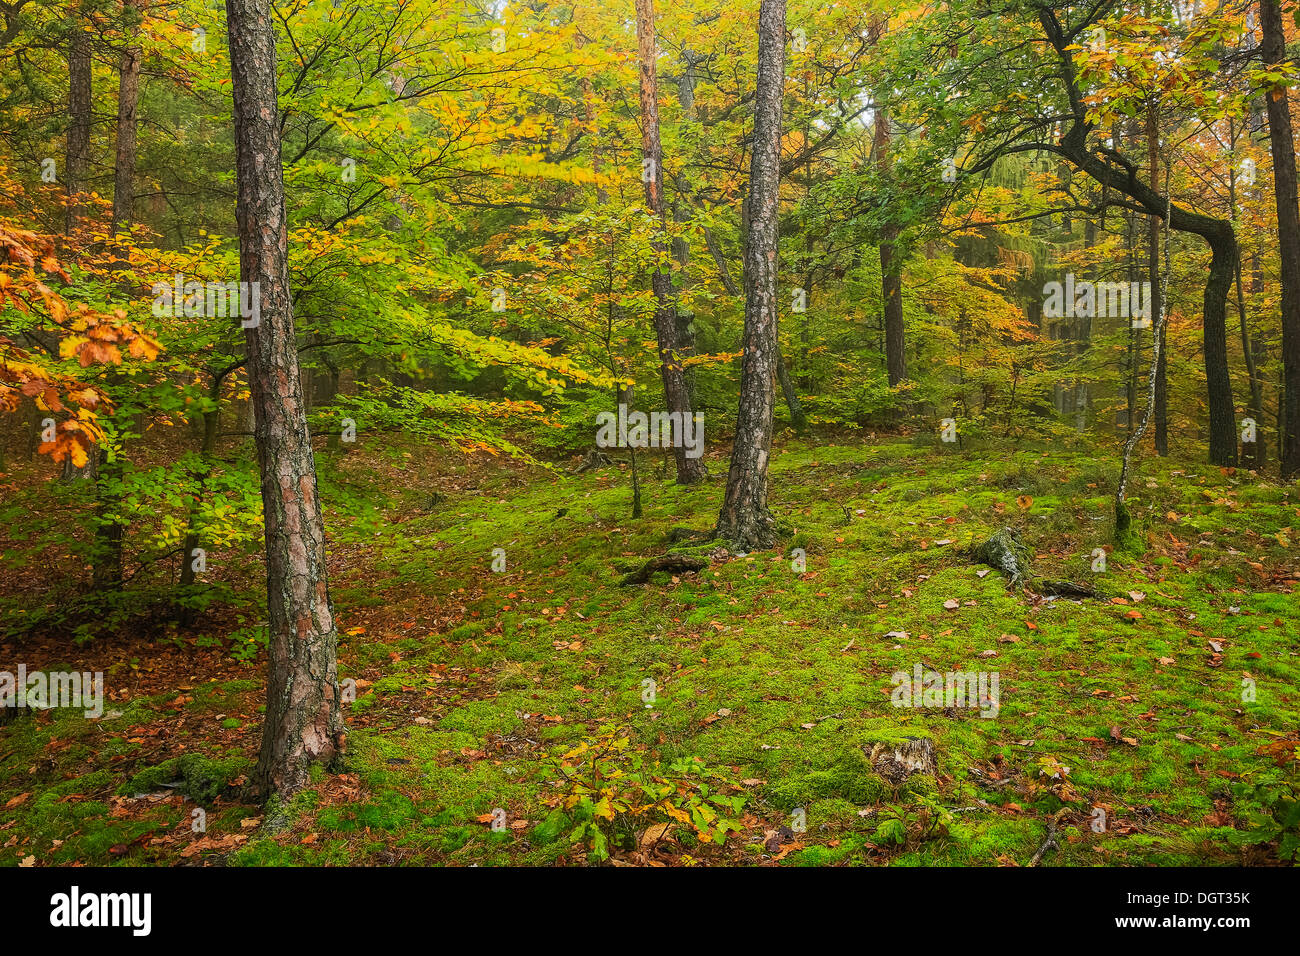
[[1253, 453], [303, 721], [1273, 50], [1223, 425], [745, 519], [1218, 234], [76, 160], [797, 416], [891, 285], [1122, 518], [128, 95], [107, 560], [211, 422], [1153, 276], [891, 279], [676, 395]]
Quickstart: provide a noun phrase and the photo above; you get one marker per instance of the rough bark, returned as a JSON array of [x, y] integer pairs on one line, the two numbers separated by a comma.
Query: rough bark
[[303, 721], [128, 95], [676, 394], [1253, 454], [1273, 51], [745, 519], [76, 160], [1005, 552]]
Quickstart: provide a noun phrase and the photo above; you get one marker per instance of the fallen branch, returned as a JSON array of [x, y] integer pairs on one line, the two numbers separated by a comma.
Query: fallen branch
[[1066, 589], [1050, 842]]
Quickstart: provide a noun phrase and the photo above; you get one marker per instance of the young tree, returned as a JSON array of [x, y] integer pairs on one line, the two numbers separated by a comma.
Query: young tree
[[676, 395], [1161, 409], [1273, 51], [303, 722], [745, 518], [891, 278]]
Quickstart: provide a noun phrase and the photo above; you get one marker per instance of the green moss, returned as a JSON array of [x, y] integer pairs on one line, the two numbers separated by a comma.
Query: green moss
[[200, 778]]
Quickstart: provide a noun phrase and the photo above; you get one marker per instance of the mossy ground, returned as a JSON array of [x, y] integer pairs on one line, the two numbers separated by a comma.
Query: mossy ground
[[470, 680]]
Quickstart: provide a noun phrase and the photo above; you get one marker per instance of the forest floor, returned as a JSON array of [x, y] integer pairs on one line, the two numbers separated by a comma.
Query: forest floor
[[771, 684]]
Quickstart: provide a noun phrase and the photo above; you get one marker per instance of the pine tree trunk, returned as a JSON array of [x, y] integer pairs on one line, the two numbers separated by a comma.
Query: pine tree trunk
[[76, 161], [676, 395], [745, 519], [303, 721], [1273, 50], [128, 95]]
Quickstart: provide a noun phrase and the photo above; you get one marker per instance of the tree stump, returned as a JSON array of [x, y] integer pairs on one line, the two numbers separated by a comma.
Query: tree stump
[[895, 762], [1005, 552], [593, 459]]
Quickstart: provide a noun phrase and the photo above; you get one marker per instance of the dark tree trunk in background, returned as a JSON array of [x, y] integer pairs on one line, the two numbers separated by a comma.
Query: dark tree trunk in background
[[891, 282], [76, 160], [76, 172], [1223, 421], [1273, 50], [1222, 240], [891, 278], [797, 416], [128, 95], [745, 519], [1217, 233], [676, 396], [1253, 454], [1153, 276], [107, 560], [303, 721]]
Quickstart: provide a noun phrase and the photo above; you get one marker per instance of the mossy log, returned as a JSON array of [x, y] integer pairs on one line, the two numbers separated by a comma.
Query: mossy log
[[674, 563]]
